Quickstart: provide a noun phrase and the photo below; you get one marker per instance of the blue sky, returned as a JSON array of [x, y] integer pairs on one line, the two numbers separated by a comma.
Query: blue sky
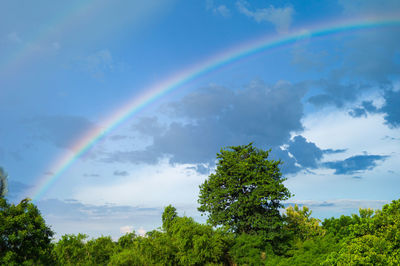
[[328, 107]]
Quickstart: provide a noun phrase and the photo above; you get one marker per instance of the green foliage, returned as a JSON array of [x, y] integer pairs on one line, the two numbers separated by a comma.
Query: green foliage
[[168, 217], [70, 249], [183, 242], [313, 251], [245, 192], [99, 250], [300, 223], [129, 257], [364, 250], [75, 250], [3, 183], [157, 248], [367, 239], [248, 250], [198, 244], [24, 236], [127, 240]]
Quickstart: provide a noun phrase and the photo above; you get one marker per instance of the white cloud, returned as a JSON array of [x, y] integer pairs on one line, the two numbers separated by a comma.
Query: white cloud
[[141, 231], [148, 186], [280, 17], [126, 229], [129, 229], [222, 10], [335, 129]]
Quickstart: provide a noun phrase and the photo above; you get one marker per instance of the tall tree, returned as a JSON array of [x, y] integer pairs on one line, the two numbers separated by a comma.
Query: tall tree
[[245, 192], [3, 183]]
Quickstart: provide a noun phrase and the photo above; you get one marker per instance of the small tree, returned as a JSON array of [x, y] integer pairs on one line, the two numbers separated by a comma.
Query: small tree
[[245, 192], [300, 223], [168, 217]]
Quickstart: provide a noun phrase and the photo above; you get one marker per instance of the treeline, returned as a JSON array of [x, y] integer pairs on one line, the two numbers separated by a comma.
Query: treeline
[[369, 238], [245, 226]]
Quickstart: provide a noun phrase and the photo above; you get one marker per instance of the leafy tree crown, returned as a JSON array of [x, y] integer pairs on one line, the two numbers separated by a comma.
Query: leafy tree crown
[[245, 192]]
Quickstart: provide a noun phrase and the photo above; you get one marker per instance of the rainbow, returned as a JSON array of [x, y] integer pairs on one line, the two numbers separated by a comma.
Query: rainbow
[[173, 82]]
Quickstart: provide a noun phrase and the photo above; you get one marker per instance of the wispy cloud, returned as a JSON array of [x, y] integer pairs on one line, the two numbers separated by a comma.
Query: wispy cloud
[[280, 17], [222, 10], [121, 173], [72, 217], [98, 64]]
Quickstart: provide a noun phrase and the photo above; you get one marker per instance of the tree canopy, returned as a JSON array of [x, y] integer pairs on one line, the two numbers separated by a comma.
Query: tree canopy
[[245, 192], [3, 183], [24, 235]]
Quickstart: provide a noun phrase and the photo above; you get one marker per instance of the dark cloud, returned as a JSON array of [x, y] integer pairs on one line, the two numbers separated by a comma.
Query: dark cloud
[[331, 151], [60, 130], [148, 126], [335, 92], [391, 107], [206, 102], [365, 108], [201, 169], [288, 165], [325, 204], [216, 117], [307, 154], [91, 175], [120, 173], [355, 164], [358, 112]]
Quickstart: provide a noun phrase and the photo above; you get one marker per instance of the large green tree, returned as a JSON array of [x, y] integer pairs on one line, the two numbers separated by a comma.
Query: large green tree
[[245, 192], [24, 236]]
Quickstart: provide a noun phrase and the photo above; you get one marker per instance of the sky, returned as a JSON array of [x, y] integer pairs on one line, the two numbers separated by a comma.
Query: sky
[[110, 111]]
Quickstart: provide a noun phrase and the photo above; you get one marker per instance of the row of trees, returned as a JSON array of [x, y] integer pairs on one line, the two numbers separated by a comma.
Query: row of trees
[[245, 226]]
